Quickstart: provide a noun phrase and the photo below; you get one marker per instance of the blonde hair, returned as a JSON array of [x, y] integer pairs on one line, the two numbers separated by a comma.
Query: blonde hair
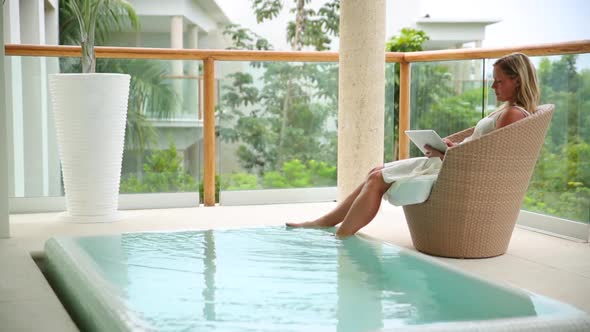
[[518, 65]]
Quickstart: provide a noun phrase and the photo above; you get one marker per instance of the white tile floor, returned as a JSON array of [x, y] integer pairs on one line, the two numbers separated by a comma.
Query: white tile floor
[[546, 265]]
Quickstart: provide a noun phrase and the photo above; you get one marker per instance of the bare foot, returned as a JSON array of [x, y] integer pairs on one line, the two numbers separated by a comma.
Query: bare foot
[[342, 235]]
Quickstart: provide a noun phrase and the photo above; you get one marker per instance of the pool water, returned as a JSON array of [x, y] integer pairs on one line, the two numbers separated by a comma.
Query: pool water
[[269, 279]]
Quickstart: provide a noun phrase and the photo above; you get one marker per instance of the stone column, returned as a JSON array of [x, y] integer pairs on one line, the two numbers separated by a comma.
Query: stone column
[[4, 224], [361, 90], [176, 41]]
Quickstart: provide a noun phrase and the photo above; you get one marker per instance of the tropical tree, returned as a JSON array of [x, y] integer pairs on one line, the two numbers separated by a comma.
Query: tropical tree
[[309, 28], [285, 118], [314, 28]]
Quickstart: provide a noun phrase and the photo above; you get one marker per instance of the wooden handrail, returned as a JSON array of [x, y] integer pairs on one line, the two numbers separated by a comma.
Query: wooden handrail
[[173, 54], [573, 47], [210, 56]]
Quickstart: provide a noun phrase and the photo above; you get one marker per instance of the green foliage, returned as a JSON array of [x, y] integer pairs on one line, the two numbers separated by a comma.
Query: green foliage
[[296, 173], [286, 118], [573, 204], [240, 181], [561, 182], [409, 40], [266, 9], [163, 172], [321, 174], [274, 179], [459, 112], [577, 154], [293, 174]]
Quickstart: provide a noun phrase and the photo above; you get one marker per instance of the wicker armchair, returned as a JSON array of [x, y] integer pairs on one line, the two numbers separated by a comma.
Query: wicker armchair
[[473, 206]]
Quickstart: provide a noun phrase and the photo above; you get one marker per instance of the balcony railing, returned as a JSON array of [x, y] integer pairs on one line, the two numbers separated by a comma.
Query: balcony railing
[[209, 57]]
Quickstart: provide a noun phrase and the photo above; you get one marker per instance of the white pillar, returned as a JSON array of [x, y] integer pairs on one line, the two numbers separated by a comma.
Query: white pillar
[[192, 98], [361, 91], [13, 102], [176, 41], [4, 215], [34, 100], [52, 38]]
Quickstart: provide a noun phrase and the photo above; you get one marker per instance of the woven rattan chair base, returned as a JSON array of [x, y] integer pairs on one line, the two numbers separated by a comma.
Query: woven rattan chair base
[[472, 209]]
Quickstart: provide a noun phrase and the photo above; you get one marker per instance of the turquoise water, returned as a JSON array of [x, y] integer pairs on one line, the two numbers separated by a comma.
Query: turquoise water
[[277, 279]]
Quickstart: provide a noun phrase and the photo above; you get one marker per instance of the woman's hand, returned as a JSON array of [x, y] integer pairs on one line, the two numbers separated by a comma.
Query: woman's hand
[[449, 143], [432, 152]]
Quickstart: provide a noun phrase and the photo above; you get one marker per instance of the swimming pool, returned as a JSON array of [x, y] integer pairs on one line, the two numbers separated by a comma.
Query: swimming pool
[[278, 279]]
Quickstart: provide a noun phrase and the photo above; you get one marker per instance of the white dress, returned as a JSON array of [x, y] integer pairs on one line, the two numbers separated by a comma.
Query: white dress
[[413, 178]]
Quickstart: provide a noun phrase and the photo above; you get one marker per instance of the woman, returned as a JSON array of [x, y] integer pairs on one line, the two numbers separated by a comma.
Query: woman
[[515, 84]]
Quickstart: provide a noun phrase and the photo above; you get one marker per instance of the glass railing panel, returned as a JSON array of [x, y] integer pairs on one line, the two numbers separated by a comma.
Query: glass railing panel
[[446, 96], [277, 125], [560, 185], [390, 146], [33, 159], [163, 135]]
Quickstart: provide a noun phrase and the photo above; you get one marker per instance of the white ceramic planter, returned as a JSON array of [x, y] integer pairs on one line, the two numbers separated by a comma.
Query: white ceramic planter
[[90, 115]]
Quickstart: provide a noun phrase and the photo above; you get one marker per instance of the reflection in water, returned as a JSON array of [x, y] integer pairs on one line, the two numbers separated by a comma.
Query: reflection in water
[[416, 291], [356, 292], [209, 273], [276, 279]]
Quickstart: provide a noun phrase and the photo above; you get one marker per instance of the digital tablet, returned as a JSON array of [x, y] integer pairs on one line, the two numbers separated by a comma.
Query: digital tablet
[[427, 136]]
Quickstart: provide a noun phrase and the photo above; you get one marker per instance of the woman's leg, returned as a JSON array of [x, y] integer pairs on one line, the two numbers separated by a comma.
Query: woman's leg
[[336, 216], [365, 206]]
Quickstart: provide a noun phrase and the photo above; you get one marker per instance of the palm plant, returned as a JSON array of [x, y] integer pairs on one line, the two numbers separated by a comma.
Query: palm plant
[[148, 94], [80, 24]]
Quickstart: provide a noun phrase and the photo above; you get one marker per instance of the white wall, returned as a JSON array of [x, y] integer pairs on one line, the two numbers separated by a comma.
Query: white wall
[[4, 226]]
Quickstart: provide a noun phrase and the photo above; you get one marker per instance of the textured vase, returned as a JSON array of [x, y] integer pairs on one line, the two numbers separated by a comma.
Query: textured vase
[[90, 113]]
